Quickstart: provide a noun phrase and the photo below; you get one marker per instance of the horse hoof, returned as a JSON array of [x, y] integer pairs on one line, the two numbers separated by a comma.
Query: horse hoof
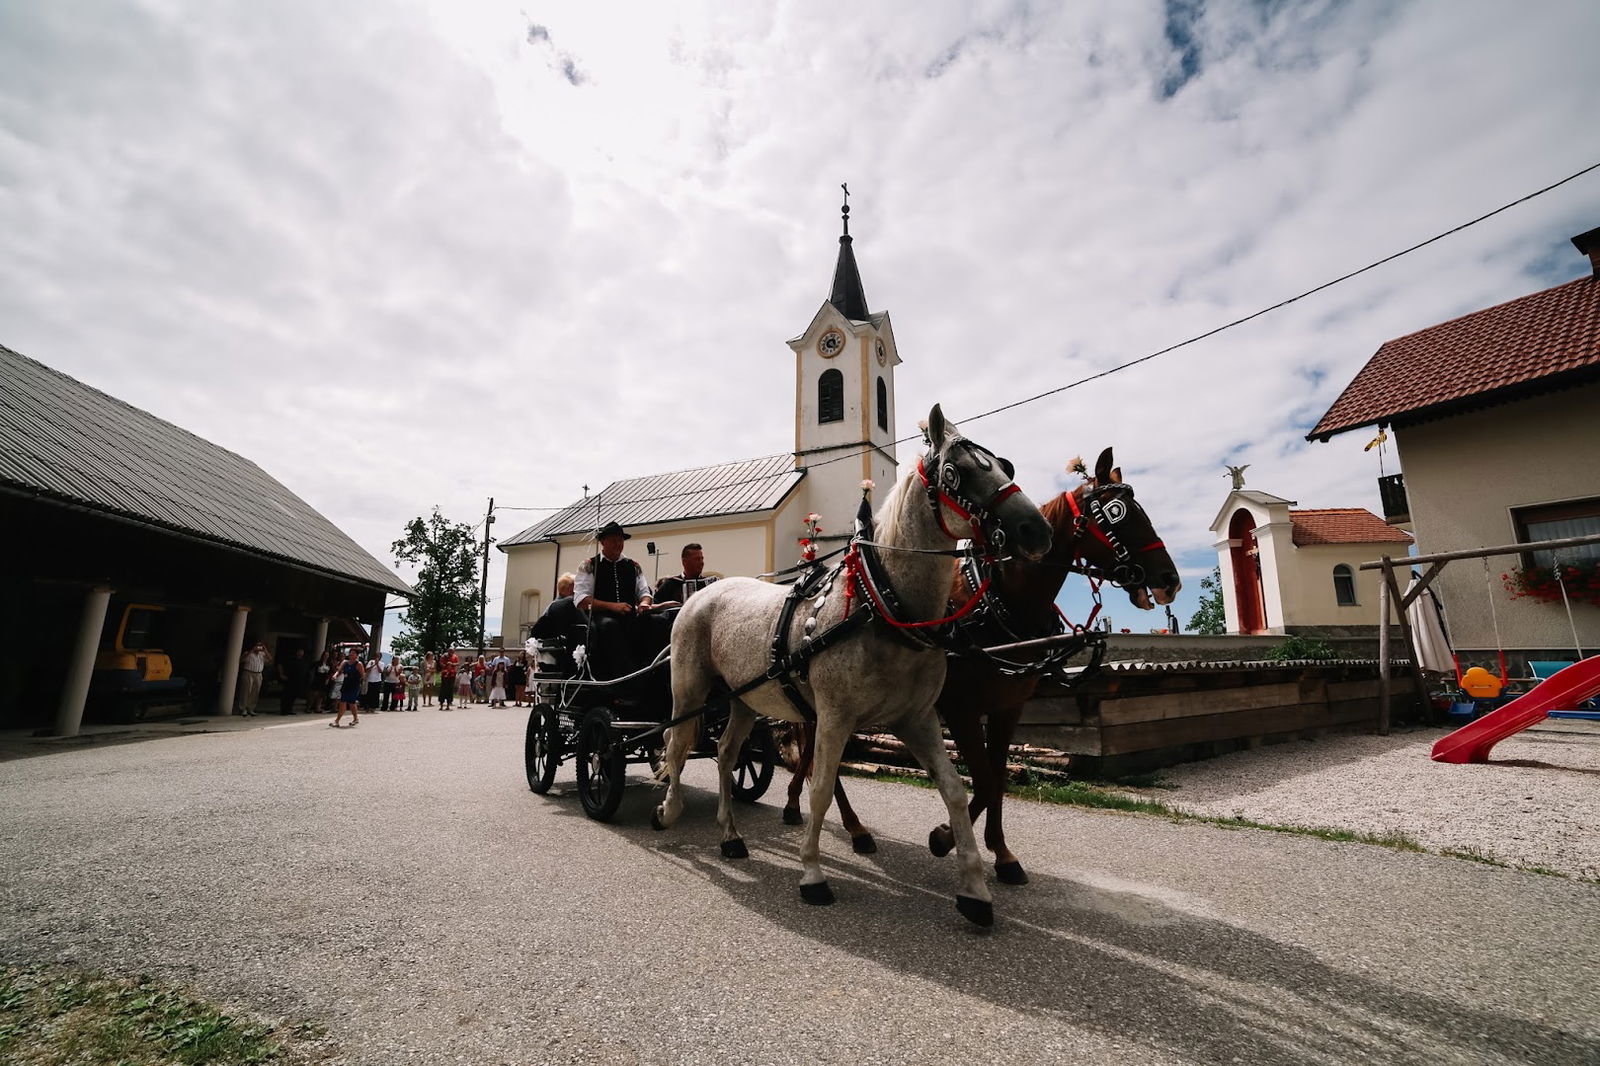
[[792, 816], [940, 841], [735, 849], [1011, 873], [655, 820], [864, 844], [818, 895], [977, 911]]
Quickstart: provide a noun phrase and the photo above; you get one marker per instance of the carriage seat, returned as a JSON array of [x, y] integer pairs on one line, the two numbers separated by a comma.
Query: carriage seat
[[555, 658]]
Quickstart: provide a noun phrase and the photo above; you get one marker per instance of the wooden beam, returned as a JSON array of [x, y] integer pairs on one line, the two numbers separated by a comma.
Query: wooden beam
[[1383, 650], [1488, 553]]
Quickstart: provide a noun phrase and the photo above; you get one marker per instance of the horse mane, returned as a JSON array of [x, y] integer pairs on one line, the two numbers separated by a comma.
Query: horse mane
[[891, 515]]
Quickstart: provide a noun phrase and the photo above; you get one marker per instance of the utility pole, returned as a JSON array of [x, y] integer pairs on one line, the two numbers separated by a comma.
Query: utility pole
[[483, 583]]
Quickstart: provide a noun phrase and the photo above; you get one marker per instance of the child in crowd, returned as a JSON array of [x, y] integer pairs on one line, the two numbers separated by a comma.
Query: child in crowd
[[413, 686]]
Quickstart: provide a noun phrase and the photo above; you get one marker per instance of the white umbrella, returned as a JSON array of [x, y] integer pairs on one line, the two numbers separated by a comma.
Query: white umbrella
[[1433, 650]]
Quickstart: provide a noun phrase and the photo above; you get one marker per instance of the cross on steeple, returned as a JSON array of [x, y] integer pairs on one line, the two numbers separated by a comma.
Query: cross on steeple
[[846, 189]]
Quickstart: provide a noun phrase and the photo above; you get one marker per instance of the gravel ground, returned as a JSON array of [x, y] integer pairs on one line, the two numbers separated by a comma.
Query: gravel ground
[[398, 884], [1536, 805]]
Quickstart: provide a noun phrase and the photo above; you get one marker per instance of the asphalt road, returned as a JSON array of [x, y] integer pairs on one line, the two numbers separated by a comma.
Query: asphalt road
[[398, 883]]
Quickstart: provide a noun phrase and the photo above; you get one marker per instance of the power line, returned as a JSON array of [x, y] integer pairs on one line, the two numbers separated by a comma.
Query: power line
[[1195, 339]]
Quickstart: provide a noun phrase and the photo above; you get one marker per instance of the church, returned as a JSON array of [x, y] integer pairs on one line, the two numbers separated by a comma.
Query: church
[[750, 515]]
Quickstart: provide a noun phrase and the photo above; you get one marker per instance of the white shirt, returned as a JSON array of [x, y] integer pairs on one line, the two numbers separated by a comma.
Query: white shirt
[[254, 661], [583, 587], [375, 672]]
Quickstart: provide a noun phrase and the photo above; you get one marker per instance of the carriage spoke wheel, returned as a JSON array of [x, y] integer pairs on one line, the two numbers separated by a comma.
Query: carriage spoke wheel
[[541, 748], [602, 768], [757, 759]]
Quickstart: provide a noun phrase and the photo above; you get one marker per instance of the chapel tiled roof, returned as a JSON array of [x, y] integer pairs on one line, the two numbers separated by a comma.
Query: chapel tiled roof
[[1532, 344], [64, 442], [1343, 525], [683, 495]]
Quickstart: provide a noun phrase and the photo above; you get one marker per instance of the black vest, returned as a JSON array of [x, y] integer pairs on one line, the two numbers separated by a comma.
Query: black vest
[[616, 582]]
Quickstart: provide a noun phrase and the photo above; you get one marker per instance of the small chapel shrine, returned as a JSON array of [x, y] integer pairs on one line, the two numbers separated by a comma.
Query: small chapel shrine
[[750, 515], [1286, 570]]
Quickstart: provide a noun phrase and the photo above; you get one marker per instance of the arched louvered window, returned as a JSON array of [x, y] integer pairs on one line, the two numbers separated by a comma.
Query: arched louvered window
[[883, 406], [830, 397], [1344, 585]]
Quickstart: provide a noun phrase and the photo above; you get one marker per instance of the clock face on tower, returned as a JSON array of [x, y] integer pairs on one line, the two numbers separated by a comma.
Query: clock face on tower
[[831, 343], [883, 355]]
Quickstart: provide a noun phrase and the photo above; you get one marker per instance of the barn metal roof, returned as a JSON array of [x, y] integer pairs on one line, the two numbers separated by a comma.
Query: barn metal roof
[[742, 487], [63, 441]]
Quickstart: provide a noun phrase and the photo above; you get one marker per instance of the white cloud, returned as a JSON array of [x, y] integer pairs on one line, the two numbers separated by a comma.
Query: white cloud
[[408, 255]]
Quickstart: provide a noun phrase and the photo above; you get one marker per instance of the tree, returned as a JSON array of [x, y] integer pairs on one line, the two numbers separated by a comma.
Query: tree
[[1210, 619], [444, 598]]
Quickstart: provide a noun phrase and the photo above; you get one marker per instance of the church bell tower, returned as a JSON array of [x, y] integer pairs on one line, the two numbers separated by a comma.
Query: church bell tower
[[844, 415]]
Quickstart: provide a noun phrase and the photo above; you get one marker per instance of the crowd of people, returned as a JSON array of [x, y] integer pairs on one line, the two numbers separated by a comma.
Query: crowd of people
[[350, 680]]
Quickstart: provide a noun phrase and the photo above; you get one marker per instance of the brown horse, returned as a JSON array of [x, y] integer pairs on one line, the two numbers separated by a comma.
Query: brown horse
[[1099, 529]]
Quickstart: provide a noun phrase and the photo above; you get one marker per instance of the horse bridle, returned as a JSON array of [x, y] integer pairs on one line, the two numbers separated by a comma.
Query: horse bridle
[[944, 490], [1101, 518]]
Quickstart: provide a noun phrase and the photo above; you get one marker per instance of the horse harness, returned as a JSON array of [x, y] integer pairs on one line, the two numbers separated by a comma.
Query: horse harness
[[862, 571]]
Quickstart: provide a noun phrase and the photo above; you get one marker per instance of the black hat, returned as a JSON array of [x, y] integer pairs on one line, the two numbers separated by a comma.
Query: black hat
[[610, 528]]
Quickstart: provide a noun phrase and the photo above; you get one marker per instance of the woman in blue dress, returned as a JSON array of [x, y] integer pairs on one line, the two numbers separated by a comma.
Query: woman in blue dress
[[349, 689]]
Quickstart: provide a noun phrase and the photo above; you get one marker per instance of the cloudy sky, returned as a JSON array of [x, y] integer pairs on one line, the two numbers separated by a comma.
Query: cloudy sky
[[415, 254]]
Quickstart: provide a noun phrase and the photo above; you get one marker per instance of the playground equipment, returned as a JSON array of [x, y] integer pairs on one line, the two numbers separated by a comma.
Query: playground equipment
[[1389, 593], [1566, 688]]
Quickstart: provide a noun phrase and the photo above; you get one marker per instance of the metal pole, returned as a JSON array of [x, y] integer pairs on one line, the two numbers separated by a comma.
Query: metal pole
[[483, 584], [1383, 651], [75, 693]]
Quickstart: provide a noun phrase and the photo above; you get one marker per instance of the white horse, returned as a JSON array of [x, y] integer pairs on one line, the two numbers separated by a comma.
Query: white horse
[[876, 679]]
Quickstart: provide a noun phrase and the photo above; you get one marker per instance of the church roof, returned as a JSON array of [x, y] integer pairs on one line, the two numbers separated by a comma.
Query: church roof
[[64, 442], [848, 295], [743, 487]]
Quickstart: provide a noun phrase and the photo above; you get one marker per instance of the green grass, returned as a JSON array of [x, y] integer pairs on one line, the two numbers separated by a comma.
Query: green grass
[[1086, 794], [52, 1016]]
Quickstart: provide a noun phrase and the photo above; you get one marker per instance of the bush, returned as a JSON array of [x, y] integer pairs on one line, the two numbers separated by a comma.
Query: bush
[[1297, 647]]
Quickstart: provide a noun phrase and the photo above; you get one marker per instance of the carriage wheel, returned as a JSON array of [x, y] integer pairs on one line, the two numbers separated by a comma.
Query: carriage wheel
[[602, 768], [757, 759], [541, 748]]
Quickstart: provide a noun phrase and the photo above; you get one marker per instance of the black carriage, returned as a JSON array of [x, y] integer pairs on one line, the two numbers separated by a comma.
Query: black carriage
[[602, 728]]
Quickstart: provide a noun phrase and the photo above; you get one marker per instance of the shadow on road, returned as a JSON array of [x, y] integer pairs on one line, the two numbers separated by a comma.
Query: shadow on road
[[1124, 963]]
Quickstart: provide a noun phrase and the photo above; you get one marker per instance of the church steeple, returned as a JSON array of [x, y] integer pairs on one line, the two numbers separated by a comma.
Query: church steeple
[[848, 296]]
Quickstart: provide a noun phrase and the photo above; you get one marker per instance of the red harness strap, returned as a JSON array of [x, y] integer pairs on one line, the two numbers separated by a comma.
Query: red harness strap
[[1005, 493], [1094, 527], [854, 575]]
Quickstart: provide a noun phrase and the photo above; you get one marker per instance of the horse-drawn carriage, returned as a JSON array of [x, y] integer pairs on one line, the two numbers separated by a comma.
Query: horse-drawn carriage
[[603, 730], [744, 652]]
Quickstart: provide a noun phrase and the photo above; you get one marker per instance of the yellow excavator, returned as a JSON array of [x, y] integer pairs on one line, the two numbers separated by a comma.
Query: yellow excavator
[[133, 676]]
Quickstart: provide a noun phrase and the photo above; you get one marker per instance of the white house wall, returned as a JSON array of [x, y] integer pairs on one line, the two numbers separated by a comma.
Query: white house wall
[[1464, 476]]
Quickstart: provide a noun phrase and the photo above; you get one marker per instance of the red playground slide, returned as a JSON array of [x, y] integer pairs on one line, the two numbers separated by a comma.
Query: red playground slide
[[1563, 689]]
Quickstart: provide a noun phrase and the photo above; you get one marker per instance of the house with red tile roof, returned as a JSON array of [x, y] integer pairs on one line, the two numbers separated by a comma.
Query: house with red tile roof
[[1288, 570], [1495, 416]]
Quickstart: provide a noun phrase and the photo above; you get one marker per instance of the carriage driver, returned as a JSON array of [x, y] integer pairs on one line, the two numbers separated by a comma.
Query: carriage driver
[[612, 589]]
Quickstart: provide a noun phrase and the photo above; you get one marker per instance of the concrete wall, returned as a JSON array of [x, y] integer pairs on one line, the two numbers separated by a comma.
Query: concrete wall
[[1465, 474]]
